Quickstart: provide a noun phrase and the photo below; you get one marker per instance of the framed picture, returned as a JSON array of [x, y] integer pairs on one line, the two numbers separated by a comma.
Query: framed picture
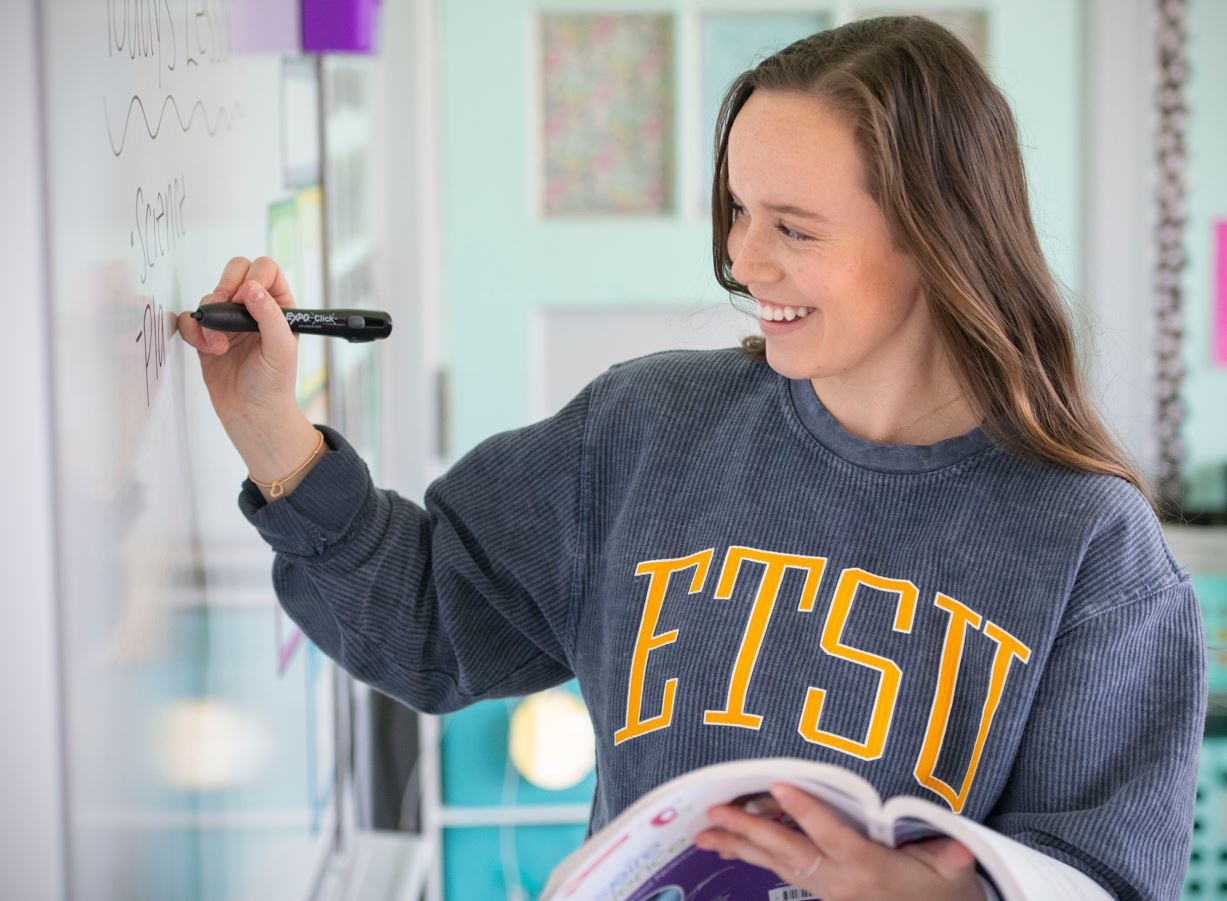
[[607, 104]]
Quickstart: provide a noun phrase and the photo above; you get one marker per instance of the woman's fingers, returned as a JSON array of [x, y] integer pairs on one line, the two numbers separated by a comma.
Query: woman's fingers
[[788, 848], [263, 289], [265, 311], [836, 839], [731, 845], [264, 271], [832, 859], [233, 275], [204, 340], [191, 332], [268, 275]]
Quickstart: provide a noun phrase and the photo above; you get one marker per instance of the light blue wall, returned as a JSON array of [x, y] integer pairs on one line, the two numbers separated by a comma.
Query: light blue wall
[[1205, 390], [502, 262]]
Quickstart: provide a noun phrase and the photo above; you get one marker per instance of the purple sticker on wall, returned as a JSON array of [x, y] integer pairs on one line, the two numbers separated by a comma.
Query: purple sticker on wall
[[1220, 292], [346, 26]]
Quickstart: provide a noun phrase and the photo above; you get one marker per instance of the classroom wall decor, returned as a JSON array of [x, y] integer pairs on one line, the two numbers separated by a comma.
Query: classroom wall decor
[[1220, 292], [1192, 198], [607, 94]]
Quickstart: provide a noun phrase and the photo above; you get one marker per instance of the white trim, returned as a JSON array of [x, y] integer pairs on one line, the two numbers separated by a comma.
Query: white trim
[[430, 773], [689, 115], [534, 118], [522, 815], [380, 866], [1117, 223], [430, 249], [34, 850], [147, 820], [604, 7]]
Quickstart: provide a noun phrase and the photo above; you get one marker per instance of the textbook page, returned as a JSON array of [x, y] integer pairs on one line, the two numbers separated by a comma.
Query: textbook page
[[1019, 872]]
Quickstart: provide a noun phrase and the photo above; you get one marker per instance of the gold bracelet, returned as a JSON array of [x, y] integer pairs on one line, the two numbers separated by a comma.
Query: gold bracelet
[[276, 488]]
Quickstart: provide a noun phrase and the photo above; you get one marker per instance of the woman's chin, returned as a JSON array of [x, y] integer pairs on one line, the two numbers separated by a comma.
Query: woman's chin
[[792, 362]]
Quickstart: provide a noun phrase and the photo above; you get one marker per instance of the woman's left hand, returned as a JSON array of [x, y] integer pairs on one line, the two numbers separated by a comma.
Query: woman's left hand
[[834, 862]]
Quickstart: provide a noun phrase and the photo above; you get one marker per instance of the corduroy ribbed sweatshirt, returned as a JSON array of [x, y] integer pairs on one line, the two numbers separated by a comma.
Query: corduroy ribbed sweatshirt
[[729, 573]]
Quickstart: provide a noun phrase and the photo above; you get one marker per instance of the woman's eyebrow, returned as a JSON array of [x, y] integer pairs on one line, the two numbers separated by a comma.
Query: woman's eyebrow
[[787, 209]]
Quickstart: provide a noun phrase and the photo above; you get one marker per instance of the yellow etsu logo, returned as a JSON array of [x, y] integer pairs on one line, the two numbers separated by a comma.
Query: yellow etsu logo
[[870, 746]]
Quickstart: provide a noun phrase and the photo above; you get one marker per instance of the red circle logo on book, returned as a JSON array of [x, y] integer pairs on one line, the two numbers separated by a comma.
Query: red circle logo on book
[[665, 817]]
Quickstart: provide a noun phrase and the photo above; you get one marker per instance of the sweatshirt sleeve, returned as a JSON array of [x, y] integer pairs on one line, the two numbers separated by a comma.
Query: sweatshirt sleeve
[[470, 596], [1106, 774]]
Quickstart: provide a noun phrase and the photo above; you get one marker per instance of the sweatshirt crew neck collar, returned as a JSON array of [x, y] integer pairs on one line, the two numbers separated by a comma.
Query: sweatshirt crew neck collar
[[900, 458]]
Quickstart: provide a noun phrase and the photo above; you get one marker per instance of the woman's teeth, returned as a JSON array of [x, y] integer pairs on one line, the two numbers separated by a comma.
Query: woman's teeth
[[779, 314]]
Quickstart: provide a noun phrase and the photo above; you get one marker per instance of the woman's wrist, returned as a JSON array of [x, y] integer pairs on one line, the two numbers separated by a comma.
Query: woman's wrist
[[275, 488], [280, 449]]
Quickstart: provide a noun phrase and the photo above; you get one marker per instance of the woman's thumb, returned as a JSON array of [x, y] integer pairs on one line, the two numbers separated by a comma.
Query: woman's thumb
[[942, 854], [274, 329]]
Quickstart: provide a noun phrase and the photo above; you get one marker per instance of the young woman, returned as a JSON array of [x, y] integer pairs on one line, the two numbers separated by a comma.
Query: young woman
[[891, 533]]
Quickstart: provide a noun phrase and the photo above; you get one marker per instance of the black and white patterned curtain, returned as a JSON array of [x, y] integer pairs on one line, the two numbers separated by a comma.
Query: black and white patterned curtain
[[1170, 258]]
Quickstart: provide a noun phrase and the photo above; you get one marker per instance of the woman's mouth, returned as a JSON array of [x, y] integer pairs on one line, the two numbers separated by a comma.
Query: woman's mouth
[[778, 319], [770, 312]]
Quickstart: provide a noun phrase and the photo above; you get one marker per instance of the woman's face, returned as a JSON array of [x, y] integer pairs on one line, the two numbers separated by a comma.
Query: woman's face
[[807, 236]]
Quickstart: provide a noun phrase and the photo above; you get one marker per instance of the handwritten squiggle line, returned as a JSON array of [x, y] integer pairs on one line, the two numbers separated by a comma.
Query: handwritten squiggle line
[[153, 132]]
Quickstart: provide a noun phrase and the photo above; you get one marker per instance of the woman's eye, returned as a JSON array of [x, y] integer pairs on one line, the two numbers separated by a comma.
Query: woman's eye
[[739, 211], [790, 234]]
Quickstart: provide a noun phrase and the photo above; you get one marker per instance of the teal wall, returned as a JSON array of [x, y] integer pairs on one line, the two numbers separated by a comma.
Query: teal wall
[[501, 261], [1205, 390]]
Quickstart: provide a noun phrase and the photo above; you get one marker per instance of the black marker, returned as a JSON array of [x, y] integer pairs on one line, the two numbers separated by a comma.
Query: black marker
[[355, 325]]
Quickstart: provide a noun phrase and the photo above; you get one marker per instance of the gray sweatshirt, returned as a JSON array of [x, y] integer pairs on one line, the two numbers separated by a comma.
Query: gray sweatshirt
[[729, 573]]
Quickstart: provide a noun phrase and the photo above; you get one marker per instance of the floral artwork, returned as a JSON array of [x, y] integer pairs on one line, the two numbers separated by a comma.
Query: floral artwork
[[608, 113]]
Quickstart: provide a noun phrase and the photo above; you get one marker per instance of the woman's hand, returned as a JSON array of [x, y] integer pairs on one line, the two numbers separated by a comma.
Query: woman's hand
[[834, 862], [251, 376]]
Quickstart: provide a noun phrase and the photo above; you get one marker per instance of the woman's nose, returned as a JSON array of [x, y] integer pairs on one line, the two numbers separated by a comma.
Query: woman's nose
[[752, 261]]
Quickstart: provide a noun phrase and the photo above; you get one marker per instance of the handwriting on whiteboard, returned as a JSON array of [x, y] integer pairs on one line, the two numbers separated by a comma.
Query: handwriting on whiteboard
[[159, 223], [222, 116], [150, 32], [152, 339], [169, 38]]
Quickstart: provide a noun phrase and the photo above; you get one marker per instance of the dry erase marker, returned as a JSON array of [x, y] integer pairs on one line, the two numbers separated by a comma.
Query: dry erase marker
[[354, 325]]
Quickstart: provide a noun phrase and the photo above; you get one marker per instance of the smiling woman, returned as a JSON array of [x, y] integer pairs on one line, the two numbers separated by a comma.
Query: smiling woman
[[930, 278]]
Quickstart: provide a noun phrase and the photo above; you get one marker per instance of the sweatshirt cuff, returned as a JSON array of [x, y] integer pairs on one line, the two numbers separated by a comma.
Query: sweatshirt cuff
[[320, 512]]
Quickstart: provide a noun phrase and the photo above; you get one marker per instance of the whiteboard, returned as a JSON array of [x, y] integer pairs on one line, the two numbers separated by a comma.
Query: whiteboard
[[200, 727]]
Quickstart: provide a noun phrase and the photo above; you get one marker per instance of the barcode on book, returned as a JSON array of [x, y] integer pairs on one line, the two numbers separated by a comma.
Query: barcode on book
[[790, 894]]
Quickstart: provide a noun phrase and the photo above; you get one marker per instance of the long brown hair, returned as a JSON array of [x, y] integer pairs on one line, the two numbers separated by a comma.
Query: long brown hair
[[940, 153]]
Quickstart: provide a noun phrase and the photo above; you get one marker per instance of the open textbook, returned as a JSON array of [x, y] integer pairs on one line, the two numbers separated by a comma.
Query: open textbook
[[647, 853]]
